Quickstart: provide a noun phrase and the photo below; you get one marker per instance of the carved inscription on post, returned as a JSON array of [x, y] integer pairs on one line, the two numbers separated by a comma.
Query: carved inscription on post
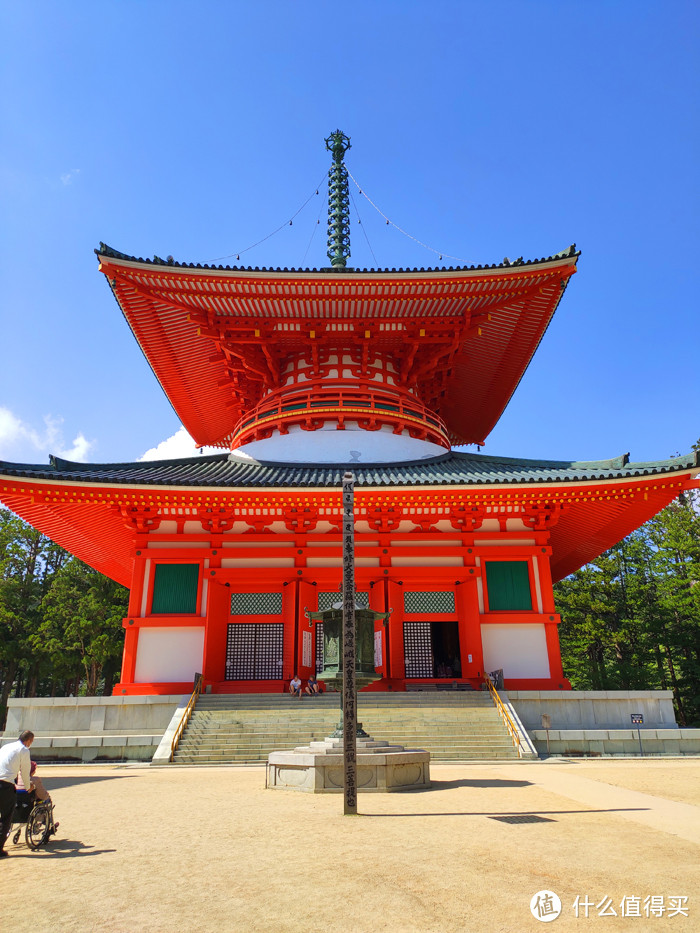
[[349, 693]]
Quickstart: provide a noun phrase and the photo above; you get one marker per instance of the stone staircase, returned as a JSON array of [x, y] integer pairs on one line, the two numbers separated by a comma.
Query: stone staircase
[[245, 728]]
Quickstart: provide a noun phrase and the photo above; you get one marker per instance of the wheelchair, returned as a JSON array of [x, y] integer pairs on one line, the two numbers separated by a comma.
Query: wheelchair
[[36, 816]]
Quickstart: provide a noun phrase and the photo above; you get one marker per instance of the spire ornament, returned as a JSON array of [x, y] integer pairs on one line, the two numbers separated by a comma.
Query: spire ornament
[[338, 202]]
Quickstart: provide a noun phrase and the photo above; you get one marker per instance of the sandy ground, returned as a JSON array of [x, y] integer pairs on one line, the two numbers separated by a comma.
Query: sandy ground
[[209, 849]]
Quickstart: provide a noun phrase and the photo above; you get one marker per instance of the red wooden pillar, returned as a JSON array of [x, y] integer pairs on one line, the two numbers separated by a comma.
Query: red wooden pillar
[[377, 603], [131, 633], [290, 648], [215, 632], [556, 671], [469, 621], [397, 661], [306, 630], [545, 574], [131, 642]]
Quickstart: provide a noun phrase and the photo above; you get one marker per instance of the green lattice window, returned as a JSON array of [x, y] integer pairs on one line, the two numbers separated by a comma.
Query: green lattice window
[[175, 588], [508, 585], [426, 602], [326, 600], [256, 604]]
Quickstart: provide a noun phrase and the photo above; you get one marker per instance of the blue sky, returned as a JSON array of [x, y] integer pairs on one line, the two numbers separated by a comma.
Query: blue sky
[[485, 129]]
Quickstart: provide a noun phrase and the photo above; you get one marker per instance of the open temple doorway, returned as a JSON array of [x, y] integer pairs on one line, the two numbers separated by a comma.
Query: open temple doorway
[[447, 661], [431, 649]]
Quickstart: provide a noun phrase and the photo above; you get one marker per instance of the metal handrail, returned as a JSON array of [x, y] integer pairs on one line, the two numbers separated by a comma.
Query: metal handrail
[[505, 715], [186, 716]]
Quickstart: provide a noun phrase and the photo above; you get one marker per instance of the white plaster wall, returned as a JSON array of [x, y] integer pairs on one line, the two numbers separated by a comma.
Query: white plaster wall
[[163, 545], [428, 561], [423, 543], [257, 562], [521, 650], [328, 445], [502, 542], [169, 655]]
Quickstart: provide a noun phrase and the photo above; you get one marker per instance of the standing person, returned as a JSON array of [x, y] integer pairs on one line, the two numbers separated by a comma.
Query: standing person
[[14, 759]]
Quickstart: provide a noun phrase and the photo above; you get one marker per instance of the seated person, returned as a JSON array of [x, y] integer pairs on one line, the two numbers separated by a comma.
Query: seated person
[[312, 687], [40, 791], [295, 686]]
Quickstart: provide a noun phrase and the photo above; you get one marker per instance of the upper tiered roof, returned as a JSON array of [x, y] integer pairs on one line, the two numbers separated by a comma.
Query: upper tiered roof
[[217, 337]]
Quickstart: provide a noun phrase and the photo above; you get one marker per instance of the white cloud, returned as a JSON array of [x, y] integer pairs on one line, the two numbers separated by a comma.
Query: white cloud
[[180, 444], [67, 177], [19, 439], [79, 450]]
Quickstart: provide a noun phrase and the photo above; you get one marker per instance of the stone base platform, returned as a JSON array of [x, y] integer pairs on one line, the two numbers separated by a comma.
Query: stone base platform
[[318, 767]]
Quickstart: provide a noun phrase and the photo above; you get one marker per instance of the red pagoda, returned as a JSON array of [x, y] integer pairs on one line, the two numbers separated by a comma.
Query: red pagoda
[[300, 375]]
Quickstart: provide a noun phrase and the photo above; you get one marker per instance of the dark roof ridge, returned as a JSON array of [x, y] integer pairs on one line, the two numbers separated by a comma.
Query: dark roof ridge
[[613, 463], [112, 253], [59, 463], [455, 468]]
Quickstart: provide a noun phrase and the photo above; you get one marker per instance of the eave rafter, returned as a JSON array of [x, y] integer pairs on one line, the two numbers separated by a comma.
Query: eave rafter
[[219, 341], [578, 519]]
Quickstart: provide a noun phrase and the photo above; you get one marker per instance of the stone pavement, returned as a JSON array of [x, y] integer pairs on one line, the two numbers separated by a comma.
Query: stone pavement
[[205, 850]]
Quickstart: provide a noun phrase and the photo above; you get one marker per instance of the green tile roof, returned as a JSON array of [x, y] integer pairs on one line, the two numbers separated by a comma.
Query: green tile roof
[[110, 253], [451, 469]]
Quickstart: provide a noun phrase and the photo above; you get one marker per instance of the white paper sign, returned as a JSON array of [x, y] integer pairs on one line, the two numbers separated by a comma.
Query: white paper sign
[[306, 649], [377, 649]]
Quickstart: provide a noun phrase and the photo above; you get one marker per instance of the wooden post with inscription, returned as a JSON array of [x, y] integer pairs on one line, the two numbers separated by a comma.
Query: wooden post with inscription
[[349, 692]]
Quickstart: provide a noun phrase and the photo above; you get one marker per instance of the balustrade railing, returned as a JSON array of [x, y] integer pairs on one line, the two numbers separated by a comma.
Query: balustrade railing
[[186, 716], [505, 715], [367, 402]]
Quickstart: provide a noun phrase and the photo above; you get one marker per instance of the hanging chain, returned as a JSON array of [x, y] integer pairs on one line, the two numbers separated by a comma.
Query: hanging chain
[[405, 233]]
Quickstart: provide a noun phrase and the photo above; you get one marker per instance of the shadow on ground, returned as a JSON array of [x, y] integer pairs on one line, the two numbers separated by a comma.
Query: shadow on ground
[[57, 783], [59, 848], [509, 812], [476, 782]]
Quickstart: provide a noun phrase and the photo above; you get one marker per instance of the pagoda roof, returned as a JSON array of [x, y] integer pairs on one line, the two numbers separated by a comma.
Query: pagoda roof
[[87, 508], [209, 332], [456, 468]]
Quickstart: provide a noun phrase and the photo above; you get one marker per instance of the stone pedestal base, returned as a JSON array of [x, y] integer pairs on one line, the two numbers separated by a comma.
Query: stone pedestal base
[[318, 767]]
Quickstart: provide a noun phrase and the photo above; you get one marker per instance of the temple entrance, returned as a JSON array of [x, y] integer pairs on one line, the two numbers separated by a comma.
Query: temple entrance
[[431, 649], [254, 651], [447, 660]]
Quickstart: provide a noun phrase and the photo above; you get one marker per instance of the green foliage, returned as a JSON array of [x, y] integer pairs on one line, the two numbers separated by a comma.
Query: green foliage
[[60, 621], [81, 622], [631, 618]]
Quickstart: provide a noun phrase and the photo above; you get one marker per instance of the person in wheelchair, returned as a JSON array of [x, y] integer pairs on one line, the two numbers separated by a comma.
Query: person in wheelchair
[[33, 811], [14, 758], [40, 792]]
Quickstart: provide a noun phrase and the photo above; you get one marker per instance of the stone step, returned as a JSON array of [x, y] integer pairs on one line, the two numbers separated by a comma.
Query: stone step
[[301, 737], [247, 727], [381, 700], [303, 722], [394, 729], [378, 700], [436, 755]]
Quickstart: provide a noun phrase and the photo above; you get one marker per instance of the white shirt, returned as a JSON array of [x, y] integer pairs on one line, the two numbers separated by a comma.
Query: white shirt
[[13, 759]]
